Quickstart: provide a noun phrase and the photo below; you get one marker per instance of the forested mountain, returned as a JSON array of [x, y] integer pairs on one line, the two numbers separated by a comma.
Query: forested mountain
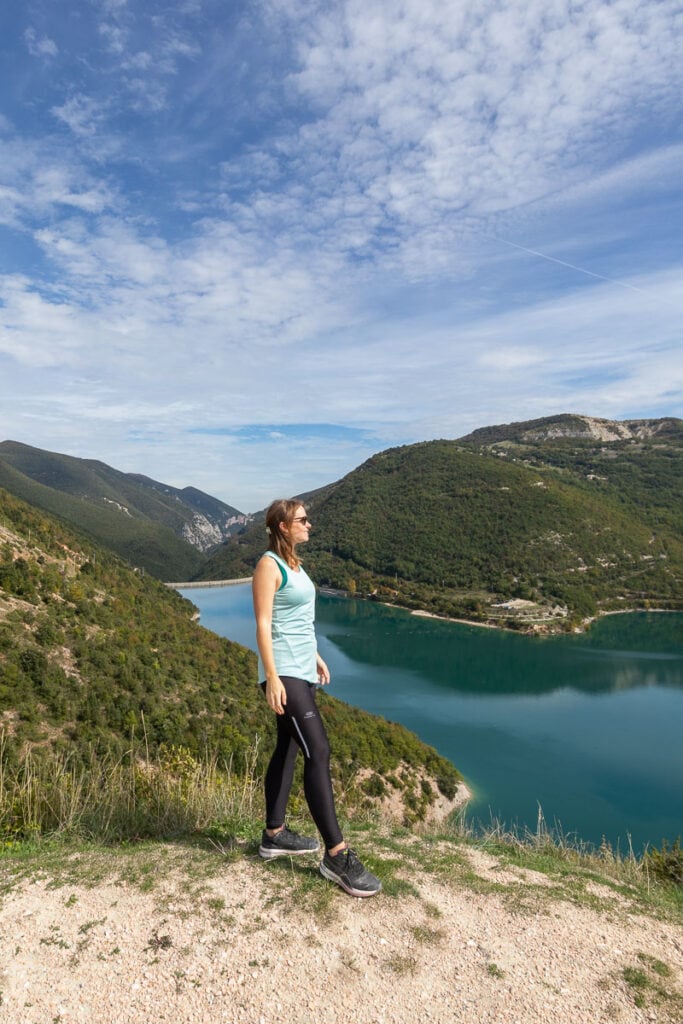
[[637, 463], [163, 529], [546, 521], [96, 657]]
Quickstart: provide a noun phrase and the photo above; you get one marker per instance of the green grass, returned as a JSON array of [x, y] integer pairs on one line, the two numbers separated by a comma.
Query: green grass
[[427, 936], [495, 971], [656, 966], [297, 884], [646, 986], [400, 964]]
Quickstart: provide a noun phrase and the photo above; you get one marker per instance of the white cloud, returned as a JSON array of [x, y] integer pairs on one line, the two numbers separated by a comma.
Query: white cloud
[[39, 179], [81, 114], [434, 114], [511, 357], [40, 47], [59, 185], [36, 330], [115, 37], [300, 218]]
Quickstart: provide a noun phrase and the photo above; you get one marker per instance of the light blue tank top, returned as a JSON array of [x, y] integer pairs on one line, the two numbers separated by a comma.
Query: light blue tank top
[[292, 630]]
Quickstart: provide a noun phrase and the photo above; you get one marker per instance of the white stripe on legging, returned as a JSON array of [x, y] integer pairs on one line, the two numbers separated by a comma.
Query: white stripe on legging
[[303, 741]]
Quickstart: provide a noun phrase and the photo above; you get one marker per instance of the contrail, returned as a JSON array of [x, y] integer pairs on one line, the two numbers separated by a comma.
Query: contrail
[[572, 266]]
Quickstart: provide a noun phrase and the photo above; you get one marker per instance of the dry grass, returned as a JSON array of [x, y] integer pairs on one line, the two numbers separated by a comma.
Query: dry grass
[[49, 794]]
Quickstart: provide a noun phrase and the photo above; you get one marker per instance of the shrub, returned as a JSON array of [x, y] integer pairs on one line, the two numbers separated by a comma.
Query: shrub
[[374, 786], [666, 864]]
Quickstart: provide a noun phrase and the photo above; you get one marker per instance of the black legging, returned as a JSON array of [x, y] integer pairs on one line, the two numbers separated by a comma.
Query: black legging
[[301, 728]]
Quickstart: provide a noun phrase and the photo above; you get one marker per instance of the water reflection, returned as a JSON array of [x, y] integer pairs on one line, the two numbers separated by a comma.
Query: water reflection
[[472, 660]]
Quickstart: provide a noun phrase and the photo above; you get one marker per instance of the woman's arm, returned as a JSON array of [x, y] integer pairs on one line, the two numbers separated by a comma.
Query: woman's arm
[[267, 578]]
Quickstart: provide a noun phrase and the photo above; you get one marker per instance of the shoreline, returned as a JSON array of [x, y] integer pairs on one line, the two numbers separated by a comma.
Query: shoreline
[[424, 614], [630, 611], [534, 632], [199, 584]]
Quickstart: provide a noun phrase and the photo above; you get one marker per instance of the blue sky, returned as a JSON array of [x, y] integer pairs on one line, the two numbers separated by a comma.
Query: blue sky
[[243, 246]]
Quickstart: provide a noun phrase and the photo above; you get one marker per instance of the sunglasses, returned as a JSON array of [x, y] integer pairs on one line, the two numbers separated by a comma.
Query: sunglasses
[[302, 519]]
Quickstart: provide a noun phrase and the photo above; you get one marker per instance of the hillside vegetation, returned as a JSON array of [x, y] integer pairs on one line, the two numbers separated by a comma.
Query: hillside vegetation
[[162, 529], [98, 660], [531, 524]]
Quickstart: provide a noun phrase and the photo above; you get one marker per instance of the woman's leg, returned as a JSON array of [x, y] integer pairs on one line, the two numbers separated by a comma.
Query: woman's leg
[[301, 727], [278, 780], [305, 728]]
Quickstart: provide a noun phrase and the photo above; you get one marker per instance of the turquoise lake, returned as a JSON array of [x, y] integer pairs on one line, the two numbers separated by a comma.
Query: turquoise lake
[[587, 726]]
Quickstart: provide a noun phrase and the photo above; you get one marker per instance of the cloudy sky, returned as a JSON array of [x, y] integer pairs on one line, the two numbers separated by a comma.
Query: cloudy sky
[[244, 245]]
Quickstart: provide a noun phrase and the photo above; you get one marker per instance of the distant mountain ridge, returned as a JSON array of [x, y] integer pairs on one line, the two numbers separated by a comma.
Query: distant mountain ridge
[[164, 529], [573, 426]]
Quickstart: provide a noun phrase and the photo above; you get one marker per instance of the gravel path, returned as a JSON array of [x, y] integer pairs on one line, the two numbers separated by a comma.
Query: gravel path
[[155, 937]]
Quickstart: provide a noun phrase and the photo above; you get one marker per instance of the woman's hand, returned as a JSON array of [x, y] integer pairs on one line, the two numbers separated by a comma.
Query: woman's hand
[[276, 695], [323, 671]]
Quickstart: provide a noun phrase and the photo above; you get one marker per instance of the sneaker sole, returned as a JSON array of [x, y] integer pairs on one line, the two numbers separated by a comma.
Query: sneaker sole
[[332, 876], [269, 853]]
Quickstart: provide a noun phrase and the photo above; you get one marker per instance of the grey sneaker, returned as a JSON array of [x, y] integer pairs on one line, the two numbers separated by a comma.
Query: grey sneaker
[[347, 871], [286, 844]]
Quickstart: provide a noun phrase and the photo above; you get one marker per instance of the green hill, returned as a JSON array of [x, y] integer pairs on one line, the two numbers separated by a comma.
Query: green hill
[[162, 529], [97, 657], [636, 463], [558, 525]]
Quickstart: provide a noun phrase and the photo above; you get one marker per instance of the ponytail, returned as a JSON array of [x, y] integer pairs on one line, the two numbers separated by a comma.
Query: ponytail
[[282, 511]]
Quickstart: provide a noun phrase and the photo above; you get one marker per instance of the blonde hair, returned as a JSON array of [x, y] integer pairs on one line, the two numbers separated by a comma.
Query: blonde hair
[[282, 510]]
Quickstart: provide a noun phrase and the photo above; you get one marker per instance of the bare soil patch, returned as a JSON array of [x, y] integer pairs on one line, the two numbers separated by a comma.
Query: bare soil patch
[[175, 935]]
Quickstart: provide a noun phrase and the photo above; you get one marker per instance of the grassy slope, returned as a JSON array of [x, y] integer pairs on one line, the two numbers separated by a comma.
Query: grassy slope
[[95, 480], [143, 541], [93, 655]]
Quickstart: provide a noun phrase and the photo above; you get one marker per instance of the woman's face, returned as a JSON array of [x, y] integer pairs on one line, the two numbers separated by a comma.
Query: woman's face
[[299, 527]]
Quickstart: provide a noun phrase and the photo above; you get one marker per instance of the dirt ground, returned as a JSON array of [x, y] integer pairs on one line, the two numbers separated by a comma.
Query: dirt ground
[[158, 938]]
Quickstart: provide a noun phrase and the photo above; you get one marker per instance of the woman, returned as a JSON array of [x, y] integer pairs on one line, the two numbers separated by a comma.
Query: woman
[[289, 669]]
